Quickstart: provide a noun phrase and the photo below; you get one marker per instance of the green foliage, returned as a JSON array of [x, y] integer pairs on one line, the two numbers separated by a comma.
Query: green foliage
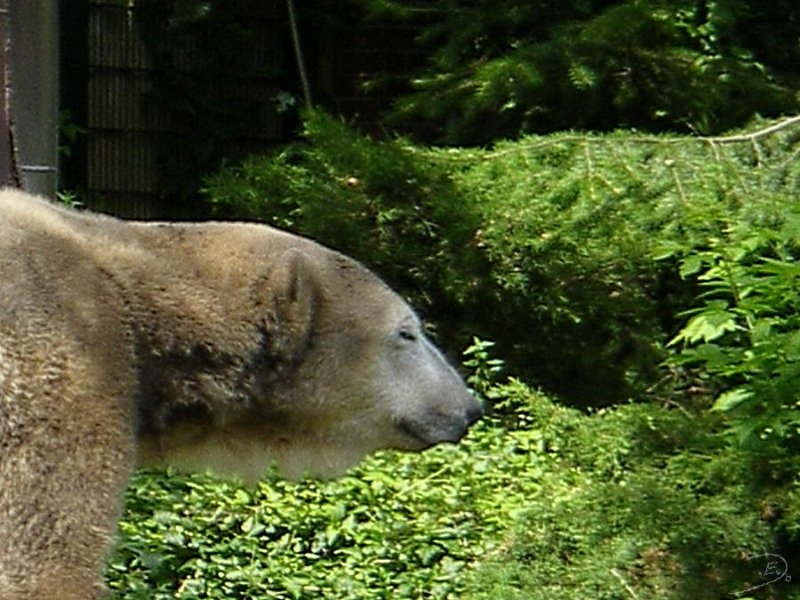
[[484, 368], [645, 504], [744, 338], [545, 245], [397, 527], [556, 504], [499, 69], [69, 133], [380, 202]]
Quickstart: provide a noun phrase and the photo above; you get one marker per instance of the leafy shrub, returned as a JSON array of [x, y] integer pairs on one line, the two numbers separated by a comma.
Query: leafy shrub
[[744, 341], [552, 504], [544, 245], [500, 68], [399, 526], [379, 202], [636, 501]]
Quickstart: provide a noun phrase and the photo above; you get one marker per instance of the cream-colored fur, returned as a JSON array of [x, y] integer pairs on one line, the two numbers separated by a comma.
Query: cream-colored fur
[[218, 345]]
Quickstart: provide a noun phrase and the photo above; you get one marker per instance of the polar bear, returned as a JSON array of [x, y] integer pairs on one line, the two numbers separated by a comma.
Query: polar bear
[[227, 346]]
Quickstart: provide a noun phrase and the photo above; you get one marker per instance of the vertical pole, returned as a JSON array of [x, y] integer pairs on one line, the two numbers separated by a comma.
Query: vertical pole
[[8, 174], [33, 87], [298, 53]]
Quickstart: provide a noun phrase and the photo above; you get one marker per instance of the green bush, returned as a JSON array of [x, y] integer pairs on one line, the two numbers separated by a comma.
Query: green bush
[[743, 342], [379, 202], [400, 526], [551, 504], [498, 69], [544, 245], [637, 502], [582, 257]]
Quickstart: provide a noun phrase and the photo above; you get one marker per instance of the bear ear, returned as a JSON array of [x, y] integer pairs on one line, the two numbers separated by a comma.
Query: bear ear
[[293, 285]]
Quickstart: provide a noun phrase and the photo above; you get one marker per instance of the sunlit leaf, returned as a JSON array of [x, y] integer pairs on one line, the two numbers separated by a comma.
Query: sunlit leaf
[[731, 399], [707, 326], [690, 265]]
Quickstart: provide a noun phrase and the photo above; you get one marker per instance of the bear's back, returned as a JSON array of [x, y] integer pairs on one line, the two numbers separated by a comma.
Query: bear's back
[[50, 281]]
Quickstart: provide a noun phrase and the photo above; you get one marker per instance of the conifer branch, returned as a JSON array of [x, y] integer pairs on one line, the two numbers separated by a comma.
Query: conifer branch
[[555, 139]]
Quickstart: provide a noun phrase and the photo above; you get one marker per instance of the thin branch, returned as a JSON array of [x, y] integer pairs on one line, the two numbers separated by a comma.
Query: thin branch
[[678, 183], [628, 588], [589, 170], [735, 139], [713, 141], [298, 52]]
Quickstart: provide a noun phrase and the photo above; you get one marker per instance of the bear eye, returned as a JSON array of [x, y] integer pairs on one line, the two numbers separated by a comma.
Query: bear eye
[[407, 334]]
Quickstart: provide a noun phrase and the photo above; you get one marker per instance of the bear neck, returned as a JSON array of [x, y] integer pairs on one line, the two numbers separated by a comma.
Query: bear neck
[[193, 367]]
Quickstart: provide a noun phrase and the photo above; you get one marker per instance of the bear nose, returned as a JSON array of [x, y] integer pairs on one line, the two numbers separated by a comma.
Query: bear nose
[[474, 413], [459, 422], [434, 427], [458, 425]]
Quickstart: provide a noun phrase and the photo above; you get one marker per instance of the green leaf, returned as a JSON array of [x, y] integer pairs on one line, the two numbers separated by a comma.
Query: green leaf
[[707, 326], [781, 268], [731, 399], [762, 330], [666, 249], [791, 346], [690, 266]]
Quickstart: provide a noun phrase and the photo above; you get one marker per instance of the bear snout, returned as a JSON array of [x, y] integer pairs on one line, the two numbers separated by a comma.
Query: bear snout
[[435, 426], [474, 413]]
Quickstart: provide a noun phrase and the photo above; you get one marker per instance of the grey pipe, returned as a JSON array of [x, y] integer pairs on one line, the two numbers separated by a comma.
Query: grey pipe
[[33, 92]]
